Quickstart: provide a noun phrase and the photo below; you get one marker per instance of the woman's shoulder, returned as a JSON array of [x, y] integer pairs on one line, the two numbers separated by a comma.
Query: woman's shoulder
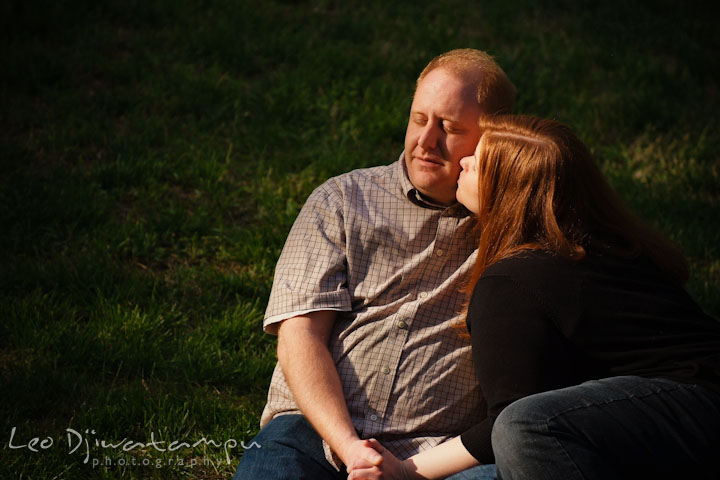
[[547, 283], [554, 281], [529, 264]]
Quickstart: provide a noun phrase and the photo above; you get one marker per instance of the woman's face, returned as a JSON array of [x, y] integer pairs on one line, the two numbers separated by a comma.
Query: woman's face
[[467, 189]]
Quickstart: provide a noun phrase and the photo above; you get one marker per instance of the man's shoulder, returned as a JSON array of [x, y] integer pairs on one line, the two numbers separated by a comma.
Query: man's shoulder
[[383, 177], [381, 173]]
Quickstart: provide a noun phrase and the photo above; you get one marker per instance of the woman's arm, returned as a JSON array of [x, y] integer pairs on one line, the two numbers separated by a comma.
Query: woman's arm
[[516, 345], [439, 462]]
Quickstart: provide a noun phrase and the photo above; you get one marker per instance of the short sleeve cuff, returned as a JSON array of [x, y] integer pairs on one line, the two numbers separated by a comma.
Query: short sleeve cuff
[[337, 301]]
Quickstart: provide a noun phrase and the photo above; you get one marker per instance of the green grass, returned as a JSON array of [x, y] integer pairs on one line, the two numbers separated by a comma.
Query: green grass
[[153, 156]]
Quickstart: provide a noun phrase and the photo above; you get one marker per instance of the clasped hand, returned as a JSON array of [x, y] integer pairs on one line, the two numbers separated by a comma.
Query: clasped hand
[[385, 466]]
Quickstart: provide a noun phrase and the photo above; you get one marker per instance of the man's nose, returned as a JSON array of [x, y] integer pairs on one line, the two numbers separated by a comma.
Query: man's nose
[[429, 136]]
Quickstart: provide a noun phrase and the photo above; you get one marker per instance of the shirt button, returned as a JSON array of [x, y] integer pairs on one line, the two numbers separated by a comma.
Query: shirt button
[[385, 370], [401, 324], [423, 294], [373, 417], [439, 252]]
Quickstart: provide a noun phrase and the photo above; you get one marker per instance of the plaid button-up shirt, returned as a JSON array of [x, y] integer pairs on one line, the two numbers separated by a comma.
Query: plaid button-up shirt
[[367, 246]]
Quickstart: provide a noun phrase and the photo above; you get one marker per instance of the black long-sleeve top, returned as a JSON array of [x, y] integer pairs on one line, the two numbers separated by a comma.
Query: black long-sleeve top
[[539, 322]]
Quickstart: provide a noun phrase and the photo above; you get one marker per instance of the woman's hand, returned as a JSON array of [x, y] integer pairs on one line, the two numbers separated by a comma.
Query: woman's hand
[[389, 469]]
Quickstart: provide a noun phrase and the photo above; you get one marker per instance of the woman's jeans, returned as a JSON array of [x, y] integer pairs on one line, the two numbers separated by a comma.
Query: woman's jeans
[[614, 428]]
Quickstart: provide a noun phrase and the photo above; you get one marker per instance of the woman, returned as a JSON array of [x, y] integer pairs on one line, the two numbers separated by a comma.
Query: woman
[[594, 361]]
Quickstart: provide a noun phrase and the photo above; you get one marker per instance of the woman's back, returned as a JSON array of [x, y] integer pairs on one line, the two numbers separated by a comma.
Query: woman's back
[[592, 318]]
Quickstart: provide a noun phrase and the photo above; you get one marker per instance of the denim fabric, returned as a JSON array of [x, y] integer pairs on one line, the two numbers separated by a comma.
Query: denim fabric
[[481, 472], [290, 449], [620, 427]]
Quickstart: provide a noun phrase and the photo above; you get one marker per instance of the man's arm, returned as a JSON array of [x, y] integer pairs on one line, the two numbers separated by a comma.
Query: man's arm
[[310, 372]]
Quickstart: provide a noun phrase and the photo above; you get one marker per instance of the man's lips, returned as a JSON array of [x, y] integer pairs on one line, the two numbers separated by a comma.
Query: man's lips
[[430, 160]]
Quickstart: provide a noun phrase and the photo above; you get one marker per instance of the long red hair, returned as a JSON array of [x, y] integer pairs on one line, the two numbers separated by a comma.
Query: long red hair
[[540, 189]]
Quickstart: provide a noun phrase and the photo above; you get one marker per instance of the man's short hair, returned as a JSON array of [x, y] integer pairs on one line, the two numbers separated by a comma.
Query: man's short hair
[[495, 91]]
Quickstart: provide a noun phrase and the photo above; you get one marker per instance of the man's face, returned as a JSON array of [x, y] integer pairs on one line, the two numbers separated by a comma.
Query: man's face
[[443, 128]]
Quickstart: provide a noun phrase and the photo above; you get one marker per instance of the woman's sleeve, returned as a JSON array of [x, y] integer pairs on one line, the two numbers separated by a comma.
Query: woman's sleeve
[[517, 351]]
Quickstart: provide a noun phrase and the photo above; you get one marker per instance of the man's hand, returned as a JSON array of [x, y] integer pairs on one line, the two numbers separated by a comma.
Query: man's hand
[[388, 468], [362, 454]]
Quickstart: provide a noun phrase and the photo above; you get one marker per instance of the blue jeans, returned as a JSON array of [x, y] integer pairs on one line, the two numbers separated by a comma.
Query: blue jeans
[[290, 449], [620, 427], [482, 472]]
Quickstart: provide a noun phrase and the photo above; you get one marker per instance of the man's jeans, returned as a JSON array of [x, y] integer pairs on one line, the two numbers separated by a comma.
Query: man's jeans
[[620, 427], [290, 449]]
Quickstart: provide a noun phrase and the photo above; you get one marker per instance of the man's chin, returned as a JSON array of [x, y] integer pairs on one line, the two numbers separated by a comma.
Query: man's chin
[[434, 193]]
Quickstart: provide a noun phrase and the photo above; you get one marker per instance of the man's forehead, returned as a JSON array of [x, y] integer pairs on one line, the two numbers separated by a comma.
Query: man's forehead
[[440, 78], [449, 105]]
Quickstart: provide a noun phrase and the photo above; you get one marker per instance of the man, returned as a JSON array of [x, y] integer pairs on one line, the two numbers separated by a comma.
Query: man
[[367, 290]]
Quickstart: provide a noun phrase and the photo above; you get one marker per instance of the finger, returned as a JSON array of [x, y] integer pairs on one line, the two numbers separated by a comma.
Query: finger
[[373, 457], [376, 445], [370, 454], [372, 473], [359, 463], [367, 443]]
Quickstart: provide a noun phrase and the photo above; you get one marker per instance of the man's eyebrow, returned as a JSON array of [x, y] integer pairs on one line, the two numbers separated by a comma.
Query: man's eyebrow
[[445, 118], [449, 117], [455, 123]]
